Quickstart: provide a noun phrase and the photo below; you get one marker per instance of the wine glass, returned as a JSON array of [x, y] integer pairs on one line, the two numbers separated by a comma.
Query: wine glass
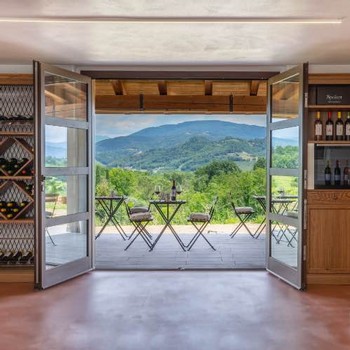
[[157, 190], [178, 189]]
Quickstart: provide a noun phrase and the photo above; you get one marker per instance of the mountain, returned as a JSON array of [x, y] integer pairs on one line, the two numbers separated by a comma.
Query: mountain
[[183, 146], [194, 153], [99, 138], [170, 135]]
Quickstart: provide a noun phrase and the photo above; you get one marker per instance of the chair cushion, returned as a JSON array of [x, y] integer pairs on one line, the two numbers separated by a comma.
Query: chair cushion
[[134, 210], [199, 217], [244, 210], [139, 217]]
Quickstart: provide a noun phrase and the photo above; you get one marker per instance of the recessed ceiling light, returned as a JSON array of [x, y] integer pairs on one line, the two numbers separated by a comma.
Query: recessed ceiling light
[[228, 20]]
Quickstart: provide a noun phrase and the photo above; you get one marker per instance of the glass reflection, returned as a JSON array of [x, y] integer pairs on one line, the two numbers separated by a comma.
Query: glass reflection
[[284, 243], [65, 147], [285, 99], [65, 243], [285, 148], [65, 98], [284, 195], [57, 200]]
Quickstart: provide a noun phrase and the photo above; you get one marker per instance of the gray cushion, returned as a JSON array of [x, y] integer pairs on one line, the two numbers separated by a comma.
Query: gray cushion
[[139, 217], [199, 217], [244, 210], [134, 210]]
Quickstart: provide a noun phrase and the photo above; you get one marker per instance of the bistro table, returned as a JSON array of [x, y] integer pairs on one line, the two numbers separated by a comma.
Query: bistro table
[[163, 207], [110, 206], [280, 205]]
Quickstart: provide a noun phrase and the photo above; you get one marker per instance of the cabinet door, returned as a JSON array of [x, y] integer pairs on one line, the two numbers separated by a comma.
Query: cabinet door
[[329, 240]]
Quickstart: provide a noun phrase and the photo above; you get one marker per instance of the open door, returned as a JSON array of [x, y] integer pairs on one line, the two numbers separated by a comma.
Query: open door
[[285, 173], [64, 193]]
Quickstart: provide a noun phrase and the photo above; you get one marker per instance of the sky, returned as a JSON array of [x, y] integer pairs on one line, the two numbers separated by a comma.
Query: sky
[[126, 124]]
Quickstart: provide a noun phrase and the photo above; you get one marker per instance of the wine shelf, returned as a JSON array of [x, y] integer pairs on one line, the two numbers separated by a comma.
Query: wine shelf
[[16, 171], [329, 107]]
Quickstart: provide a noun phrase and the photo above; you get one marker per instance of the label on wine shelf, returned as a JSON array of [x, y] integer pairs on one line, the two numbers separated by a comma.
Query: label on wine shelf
[[347, 129], [318, 129], [339, 130], [329, 130]]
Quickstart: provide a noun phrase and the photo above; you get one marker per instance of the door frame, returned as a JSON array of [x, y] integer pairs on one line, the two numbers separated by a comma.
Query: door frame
[[295, 277], [46, 278]]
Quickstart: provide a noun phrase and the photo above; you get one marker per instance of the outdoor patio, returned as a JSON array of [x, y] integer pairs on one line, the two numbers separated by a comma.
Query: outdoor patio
[[239, 252]]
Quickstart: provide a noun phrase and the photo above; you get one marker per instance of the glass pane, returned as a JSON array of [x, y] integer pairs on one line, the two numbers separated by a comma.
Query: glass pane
[[65, 243], [65, 147], [329, 155], [65, 98], [285, 99], [57, 200], [285, 148], [284, 243]]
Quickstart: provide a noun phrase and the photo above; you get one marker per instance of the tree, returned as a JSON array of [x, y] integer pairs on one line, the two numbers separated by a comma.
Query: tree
[[260, 163], [122, 180]]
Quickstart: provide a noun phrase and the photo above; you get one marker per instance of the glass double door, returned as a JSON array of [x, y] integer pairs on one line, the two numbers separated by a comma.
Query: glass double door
[[63, 164], [285, 174]]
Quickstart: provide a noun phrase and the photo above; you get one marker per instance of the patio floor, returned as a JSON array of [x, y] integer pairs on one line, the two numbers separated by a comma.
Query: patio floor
[[240, 252]]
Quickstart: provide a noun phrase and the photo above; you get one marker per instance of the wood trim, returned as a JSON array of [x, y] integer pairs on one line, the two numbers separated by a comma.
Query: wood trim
[[16, 79], [178, 75], [17, 274], [325, 79], [178, 104], [331, 278]]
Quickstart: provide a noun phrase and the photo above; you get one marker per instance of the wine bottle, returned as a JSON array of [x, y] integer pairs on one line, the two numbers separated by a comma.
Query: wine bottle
[[339, 128], [327, 174], [173, 191], [15, 258], [25, 257], [7, 257], [346, 174], [347, 127], [329, 127], [337, 174], [318, 127]]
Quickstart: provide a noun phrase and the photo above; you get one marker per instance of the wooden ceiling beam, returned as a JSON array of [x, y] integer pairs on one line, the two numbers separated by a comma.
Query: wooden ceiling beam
[[162, 87], [117, 87], [254, 87], [208, 87], [180, 103]]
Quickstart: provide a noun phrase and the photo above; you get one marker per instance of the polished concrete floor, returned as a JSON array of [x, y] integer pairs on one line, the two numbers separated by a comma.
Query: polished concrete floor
[[174, 310]]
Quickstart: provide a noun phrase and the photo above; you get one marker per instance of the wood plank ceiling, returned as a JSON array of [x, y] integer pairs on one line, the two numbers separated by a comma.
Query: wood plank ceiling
[[180, 96]]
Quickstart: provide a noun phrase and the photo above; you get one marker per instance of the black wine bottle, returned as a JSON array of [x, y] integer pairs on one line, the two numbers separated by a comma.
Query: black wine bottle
[[337, 174], [25, 257], [329, 127], [318, 127], [347, 128], [173, 191], [339, 128]]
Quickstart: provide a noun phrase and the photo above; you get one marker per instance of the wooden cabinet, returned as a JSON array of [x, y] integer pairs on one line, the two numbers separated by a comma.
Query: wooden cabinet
[[328, 236], [328, 207]]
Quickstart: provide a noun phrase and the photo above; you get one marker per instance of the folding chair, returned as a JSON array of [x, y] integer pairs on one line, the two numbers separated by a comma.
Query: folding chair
[[243, 214], [51, 198], [140, 220], [200, 221], [135, 210]]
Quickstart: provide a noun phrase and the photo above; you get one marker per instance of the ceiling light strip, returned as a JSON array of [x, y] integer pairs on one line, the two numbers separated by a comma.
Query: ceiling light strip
[[227, 20]]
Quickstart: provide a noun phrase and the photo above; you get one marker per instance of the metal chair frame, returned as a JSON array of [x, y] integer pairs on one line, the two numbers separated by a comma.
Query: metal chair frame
[[139, 229], [200, 227], [243, 218], [51, 198]]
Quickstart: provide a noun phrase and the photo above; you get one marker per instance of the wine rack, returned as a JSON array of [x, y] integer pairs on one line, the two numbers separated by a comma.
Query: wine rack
[[16, 175]]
